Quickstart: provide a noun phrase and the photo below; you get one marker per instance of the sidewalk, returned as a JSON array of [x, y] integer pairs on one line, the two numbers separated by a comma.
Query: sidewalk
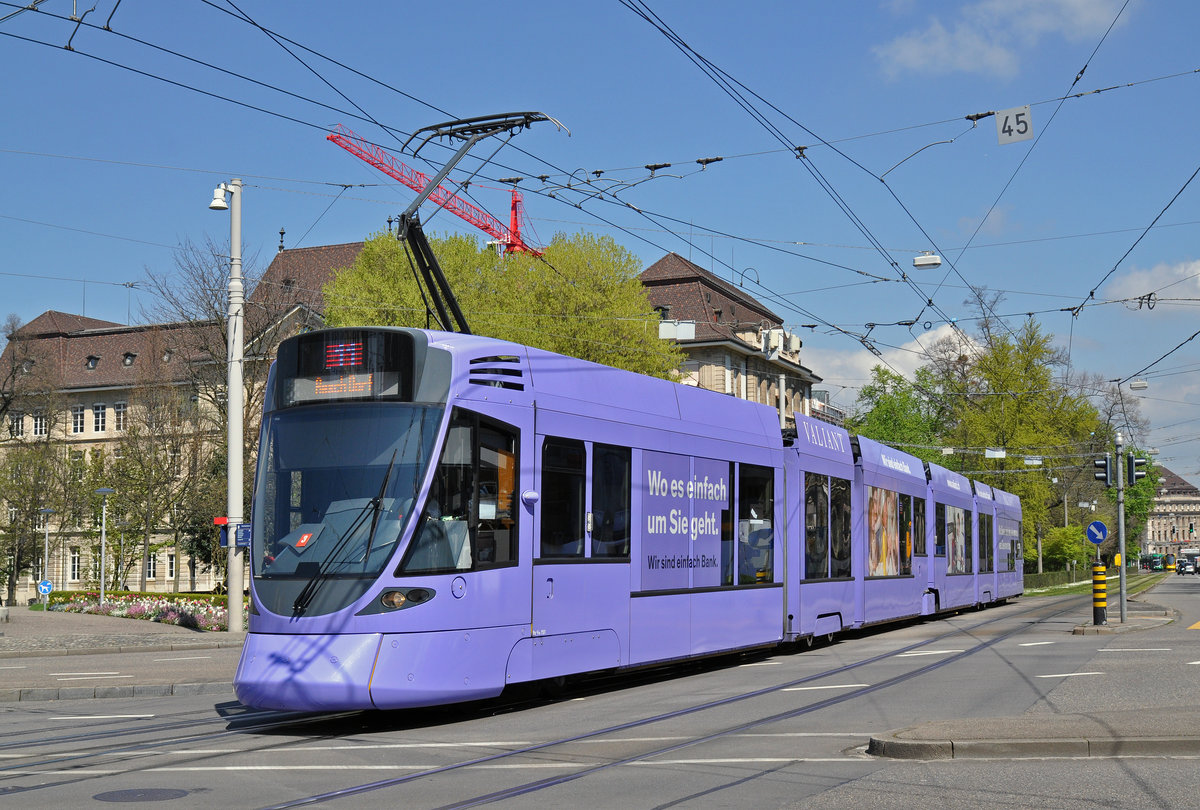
[[1154, 731], [32, 641]]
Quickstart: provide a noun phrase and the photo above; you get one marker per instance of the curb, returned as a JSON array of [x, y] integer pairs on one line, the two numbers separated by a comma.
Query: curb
[[85, 692], [893, 748], [1138, 621], [60, 651]]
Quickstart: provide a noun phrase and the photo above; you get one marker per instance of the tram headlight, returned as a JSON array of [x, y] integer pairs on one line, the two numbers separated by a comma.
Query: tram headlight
[[409, 597]]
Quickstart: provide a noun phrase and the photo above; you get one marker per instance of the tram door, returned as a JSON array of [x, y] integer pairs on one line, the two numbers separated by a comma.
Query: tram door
[[581, 556]]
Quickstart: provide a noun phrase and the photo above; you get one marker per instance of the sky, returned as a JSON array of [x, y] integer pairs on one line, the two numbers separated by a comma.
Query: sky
[[850, 135]]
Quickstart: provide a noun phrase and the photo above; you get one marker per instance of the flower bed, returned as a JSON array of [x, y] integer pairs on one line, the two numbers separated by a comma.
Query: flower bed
[[185, 611]]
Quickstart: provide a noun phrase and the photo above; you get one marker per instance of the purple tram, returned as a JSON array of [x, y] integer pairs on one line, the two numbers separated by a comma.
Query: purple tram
[[437, 516]]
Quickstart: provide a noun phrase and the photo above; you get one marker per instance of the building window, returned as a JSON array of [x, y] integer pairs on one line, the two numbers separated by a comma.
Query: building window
[[12, 515], [152, 566], [128, 358], [170, 566], [99, 411], [91, 362], [119, 411], [77, 418], [39, 423], [74, 564], [41, 521], [77, 465], [16, 425]]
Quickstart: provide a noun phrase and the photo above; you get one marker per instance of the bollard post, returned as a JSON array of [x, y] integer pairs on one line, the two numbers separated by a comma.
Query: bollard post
[[1099, 594]]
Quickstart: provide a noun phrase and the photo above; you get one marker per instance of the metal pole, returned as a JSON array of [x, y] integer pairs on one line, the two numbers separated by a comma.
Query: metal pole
[[46, 559], [234, 572], [1121, 523]]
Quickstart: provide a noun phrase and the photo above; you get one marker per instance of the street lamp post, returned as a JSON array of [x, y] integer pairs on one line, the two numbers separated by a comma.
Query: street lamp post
[[46, 513], [233, 509], [104, 492]]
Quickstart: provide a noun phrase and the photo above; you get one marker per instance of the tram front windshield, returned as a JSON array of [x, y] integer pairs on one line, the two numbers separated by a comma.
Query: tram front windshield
[[336, 486]]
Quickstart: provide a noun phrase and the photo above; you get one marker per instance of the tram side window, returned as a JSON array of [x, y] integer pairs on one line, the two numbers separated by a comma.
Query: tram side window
[[469, 521], [986, 562], [496, 535], [918, 527], [939, 530], [906, 533], [563, 481], [839, 527], [611, 487], [816, 526], [756, 534]]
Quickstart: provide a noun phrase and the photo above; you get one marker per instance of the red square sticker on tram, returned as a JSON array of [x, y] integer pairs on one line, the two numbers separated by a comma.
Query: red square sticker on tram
[[303, 541]]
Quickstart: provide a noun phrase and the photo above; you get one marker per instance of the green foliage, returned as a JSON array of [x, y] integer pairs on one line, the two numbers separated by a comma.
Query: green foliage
[[582, 298], [899, 413]]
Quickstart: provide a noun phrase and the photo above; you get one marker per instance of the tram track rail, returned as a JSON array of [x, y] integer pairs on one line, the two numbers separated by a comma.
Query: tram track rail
[[1052, 609], [93, 756]]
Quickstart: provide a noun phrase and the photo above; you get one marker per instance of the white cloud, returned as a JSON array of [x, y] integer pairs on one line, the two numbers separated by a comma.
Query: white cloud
[[1180, 280], [851, 367], [991, 37]]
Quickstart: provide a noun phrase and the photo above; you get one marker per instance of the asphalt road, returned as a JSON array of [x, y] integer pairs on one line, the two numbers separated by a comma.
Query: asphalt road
[[788, 730]]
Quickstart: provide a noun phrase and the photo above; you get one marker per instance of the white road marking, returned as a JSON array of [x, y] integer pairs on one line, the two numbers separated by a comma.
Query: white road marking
[[1068, 674], [189, 658], [1035, 643], [1134, 649], [830, 686], [916, 653], [104, 717], [759, 664], [94, 677], [84, 673]]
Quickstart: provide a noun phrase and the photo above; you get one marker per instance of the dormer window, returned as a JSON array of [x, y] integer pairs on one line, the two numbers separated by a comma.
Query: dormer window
[[128, 358], [289, 284], [166, 356], [27, 367], [91, 363], [664, 312]]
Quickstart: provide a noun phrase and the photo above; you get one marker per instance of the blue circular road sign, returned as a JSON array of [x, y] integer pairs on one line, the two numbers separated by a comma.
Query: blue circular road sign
[[45, 587], [1097, 531]]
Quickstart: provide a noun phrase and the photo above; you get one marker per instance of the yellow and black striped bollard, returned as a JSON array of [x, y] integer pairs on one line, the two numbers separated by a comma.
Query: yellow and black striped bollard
[[1099, 594]]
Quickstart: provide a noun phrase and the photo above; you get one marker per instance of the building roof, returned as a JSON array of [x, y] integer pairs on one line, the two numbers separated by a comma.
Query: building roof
[[692, 293], [1174, 485], [105, 356], [297, 276], [51, 323]]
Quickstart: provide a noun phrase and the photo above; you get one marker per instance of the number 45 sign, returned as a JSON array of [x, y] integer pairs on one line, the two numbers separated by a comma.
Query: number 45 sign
[[1014, 125]]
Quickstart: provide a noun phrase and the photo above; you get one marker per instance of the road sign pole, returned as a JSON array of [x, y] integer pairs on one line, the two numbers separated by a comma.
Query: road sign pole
[[1121, 526]]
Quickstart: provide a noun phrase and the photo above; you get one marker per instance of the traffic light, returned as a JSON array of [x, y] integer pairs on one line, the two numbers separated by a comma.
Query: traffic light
[[1103, 470], [1133, 468]]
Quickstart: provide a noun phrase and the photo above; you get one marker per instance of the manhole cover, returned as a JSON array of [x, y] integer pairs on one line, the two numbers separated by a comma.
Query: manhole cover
[[141, 795]]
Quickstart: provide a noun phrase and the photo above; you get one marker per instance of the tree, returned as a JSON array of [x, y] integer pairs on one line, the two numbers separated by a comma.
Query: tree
[[896, 412], [582, 298]]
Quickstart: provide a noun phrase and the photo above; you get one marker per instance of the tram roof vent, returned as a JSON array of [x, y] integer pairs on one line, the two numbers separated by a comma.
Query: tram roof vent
[[497, 371]]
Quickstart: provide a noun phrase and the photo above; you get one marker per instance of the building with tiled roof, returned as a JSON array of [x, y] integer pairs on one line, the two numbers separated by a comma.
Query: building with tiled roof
[[1173, 526], [734, 344]]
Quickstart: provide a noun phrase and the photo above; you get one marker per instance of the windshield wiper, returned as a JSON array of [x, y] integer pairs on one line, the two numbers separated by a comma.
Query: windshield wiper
[[378, 503], [305, 597]]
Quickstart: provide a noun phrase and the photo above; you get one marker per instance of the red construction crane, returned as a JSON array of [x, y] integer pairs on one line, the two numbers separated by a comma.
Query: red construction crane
[[509, 237]]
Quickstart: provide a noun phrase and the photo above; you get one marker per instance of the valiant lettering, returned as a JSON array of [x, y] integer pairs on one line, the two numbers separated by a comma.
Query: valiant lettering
[[824, 437]]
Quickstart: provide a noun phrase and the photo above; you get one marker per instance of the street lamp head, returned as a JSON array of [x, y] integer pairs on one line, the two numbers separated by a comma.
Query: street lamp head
[[218, 201], [46, 511], [1139, 385], [105, 491]]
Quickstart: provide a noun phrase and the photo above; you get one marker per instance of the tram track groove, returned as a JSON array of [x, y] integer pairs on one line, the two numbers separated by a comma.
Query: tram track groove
[[1053, 609]]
